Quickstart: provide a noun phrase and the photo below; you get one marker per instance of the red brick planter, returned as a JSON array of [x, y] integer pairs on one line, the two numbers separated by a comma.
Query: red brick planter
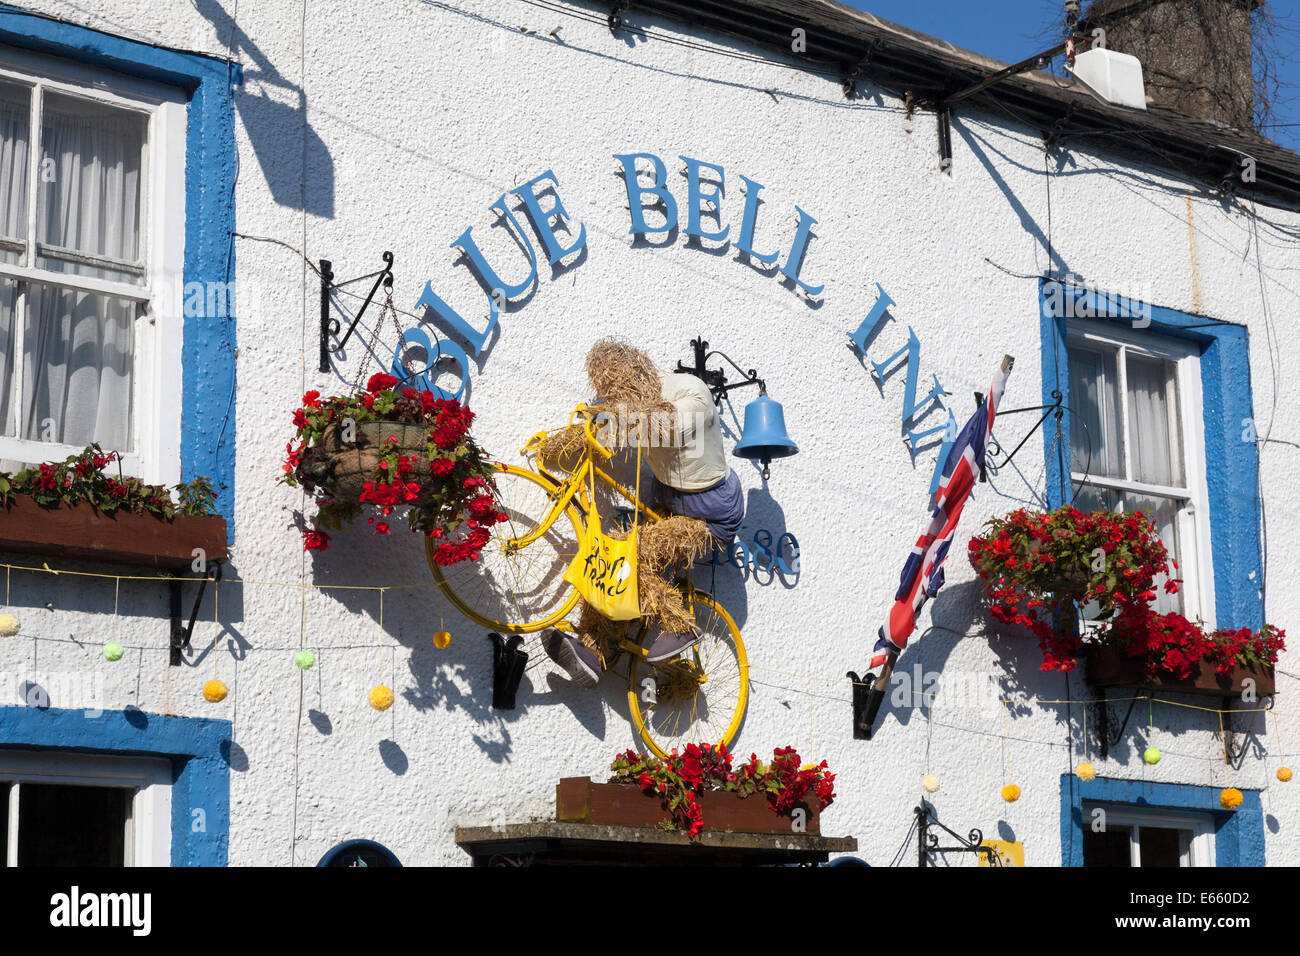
[[82, 532], [579, 800], [1111, 667]]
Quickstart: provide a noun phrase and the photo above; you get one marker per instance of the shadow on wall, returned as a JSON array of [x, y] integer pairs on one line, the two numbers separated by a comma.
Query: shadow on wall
[[299, 172]]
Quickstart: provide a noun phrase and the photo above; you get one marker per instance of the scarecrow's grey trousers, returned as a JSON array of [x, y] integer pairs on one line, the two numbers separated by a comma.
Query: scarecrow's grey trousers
[[722, 507]]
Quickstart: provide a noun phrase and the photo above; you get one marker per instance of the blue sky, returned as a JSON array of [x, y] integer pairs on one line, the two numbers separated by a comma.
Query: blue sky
[[1017, 29]]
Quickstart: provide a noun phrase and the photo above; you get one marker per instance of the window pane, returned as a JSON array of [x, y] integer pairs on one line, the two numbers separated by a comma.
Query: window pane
[[89, 192], [8, 303], [72, 826], [77, 366], [1153, 415], [1094, 408], [1161, 846], [1163, 513], [15, 123], [1108, 848]]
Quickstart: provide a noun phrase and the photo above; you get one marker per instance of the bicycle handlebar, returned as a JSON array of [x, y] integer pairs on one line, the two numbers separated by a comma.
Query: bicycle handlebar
[[587, 418]]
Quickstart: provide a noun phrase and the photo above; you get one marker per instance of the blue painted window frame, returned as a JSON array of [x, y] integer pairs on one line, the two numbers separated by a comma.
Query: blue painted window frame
[[211, 166], [1232, 465], [1238, 834], [197, 748]]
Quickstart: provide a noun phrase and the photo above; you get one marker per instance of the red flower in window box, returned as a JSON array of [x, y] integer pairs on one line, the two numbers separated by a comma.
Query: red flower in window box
[[681, 780]]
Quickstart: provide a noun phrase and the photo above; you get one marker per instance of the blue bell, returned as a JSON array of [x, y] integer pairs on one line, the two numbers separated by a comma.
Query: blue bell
[[764, 436]]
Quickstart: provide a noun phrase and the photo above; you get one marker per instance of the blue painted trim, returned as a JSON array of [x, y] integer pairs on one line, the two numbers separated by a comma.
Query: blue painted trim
[[1232, 465], [1238, 834], [211, 165], [194, 745]]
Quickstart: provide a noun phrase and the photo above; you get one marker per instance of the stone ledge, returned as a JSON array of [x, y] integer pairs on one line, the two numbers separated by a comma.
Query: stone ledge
[[548, 842]]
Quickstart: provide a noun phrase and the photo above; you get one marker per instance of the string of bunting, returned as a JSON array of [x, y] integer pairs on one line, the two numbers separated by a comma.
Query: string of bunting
[[381, 696]]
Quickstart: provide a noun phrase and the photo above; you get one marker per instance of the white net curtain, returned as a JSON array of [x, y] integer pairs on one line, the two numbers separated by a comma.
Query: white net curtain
[[77, 346]]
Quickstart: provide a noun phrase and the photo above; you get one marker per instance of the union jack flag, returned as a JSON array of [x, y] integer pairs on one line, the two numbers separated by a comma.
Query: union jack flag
[[923, 572]]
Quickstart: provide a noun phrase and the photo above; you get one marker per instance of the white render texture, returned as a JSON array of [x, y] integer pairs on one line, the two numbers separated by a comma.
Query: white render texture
[[424, 116]]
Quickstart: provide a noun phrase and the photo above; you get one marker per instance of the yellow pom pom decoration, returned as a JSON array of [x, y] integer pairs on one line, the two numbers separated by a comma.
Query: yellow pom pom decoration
[[1011, 793], [1152, 755], [1230, 798], [931, 784], [1284, 774], [381, 697], [8, 625], [214, 691], [1086, 771], [441, 639]]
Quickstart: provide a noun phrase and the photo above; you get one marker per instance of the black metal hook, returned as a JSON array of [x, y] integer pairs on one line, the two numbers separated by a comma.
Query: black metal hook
[[329, 326]]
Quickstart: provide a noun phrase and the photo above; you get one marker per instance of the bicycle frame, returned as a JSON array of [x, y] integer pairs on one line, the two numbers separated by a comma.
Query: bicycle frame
[[575, 486]]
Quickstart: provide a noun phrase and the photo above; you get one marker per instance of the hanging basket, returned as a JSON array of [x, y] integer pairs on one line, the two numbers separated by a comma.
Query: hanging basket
[[1072, 580], [342, 469]]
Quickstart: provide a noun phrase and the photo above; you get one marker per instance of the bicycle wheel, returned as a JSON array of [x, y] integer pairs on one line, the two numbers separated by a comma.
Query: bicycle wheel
[[516, 591], [698, 697]]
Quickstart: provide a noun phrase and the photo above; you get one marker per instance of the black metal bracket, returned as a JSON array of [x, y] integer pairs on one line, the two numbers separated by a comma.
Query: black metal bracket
[[868, 694], [616, 20], [1104, 738], [508, 663], [1056, 135], [329, 326], [943, 106], [180, 640], [1048, 410], [927, 843], [716, 379], [861, 703], [944, 116], [851, 73]]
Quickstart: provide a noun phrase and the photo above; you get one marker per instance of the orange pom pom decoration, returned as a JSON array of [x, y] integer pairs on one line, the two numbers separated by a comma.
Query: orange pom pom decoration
[[1230, 798], [214, 691]]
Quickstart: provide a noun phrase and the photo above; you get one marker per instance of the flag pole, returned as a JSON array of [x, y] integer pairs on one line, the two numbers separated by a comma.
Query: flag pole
[[869, 692]]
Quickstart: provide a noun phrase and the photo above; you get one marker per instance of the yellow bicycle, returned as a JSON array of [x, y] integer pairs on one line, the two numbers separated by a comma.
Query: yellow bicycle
[[517, 587]]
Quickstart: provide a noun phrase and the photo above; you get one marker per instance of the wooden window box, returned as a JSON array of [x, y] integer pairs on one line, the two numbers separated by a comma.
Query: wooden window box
[[80, 531], [1111, 667], [580, 800]]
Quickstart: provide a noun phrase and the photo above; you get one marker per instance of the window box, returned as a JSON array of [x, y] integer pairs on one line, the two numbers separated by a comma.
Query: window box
[[80, 531], [580, 800], [1111, 667]]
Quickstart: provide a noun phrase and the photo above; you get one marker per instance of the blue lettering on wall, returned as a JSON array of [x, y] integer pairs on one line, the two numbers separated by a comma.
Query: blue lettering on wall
[[746, 242], [636, 193], [696, 195], [913, 410]]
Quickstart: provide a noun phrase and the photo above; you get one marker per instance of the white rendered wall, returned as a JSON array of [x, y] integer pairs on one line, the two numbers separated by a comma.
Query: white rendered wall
[[427, 113]]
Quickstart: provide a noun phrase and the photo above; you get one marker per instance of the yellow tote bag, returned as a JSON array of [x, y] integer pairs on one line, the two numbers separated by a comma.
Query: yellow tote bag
[[604, 569]]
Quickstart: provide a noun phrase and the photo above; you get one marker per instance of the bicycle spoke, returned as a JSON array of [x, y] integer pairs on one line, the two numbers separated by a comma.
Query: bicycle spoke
[[514, 588]]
